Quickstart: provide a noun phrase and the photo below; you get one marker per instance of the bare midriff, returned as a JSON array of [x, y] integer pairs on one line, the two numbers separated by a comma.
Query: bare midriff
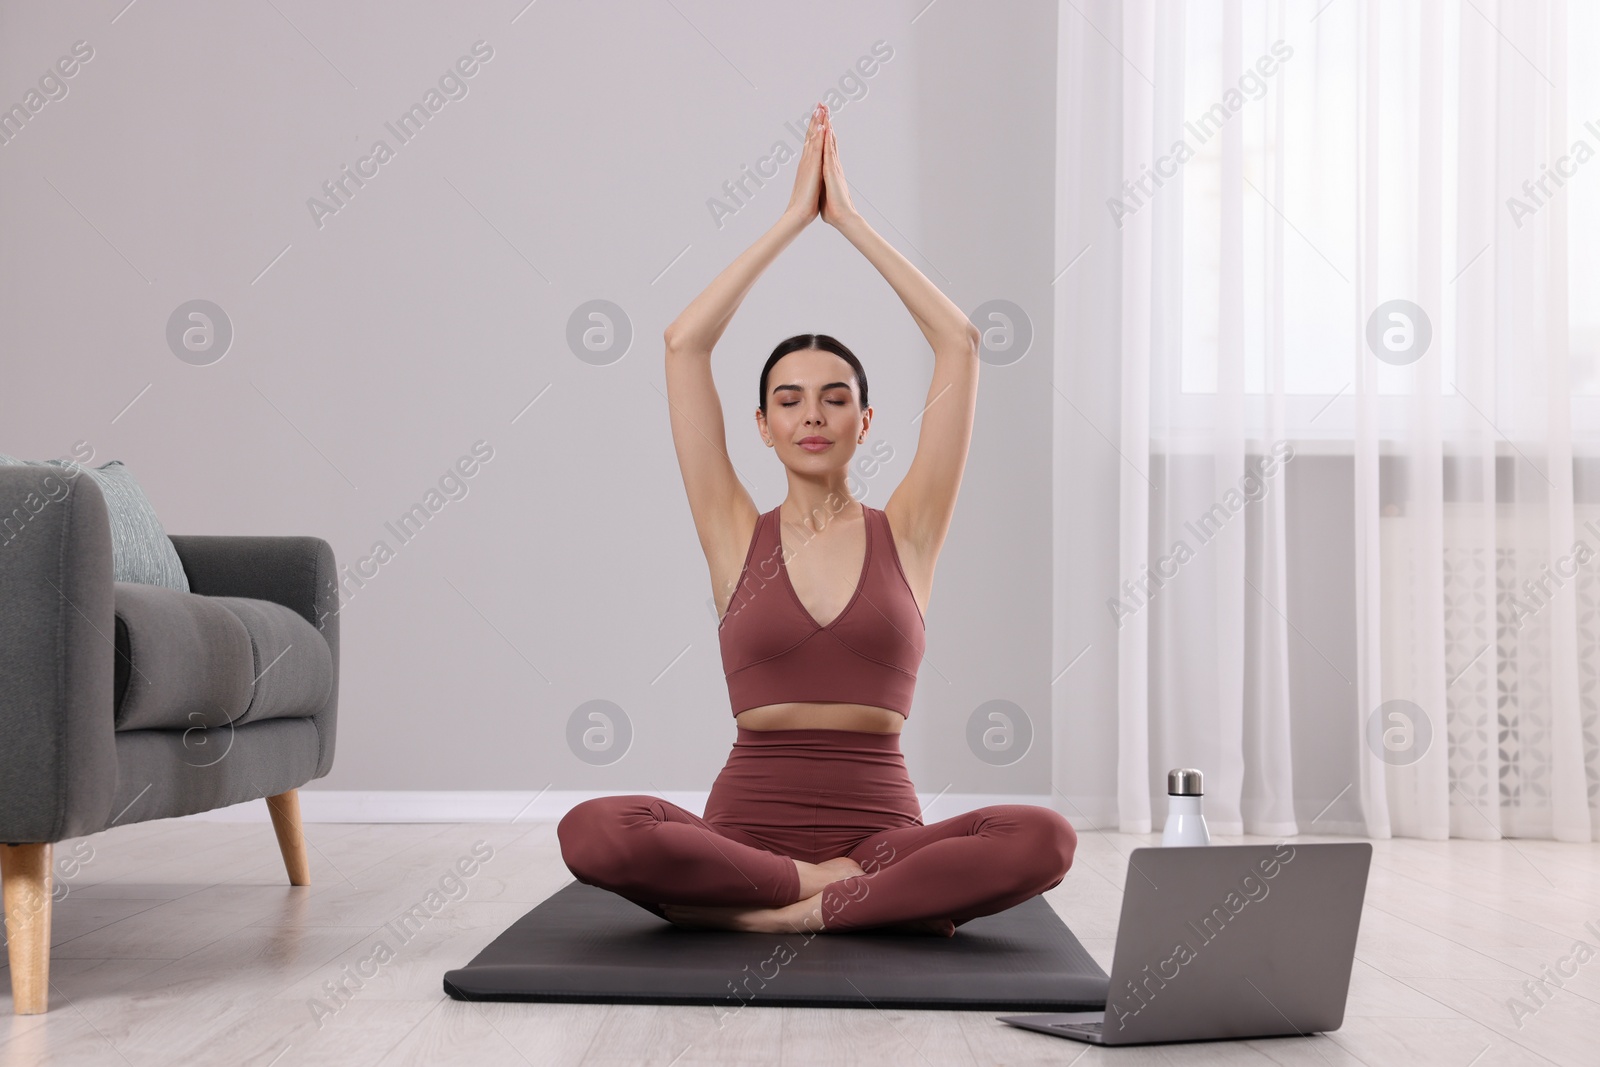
[[807, 715]]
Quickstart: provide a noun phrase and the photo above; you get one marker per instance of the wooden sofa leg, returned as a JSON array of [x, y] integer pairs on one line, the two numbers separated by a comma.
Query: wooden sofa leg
[[25, 871], [285, 809]]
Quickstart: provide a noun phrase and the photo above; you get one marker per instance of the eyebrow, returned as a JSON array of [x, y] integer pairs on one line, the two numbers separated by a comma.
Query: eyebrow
[[801, 389]]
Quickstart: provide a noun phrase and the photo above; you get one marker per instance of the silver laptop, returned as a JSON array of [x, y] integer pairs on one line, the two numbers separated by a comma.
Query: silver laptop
[[1223, 942]]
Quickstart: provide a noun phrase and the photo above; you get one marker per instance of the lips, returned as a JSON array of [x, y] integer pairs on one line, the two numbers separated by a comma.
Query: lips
[[815, 444]]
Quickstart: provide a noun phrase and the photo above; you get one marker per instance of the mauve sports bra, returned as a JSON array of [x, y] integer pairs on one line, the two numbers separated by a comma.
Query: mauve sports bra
[[773, 651]]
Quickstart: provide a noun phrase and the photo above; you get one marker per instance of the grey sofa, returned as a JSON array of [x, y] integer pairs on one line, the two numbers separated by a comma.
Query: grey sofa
[[121, 703]]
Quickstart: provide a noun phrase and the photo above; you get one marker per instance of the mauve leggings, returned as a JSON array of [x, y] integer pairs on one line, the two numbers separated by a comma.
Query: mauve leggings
[[813, 795]]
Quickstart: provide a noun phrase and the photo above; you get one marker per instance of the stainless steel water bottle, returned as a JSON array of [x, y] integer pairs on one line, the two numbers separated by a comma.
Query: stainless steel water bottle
[[1185, 824]]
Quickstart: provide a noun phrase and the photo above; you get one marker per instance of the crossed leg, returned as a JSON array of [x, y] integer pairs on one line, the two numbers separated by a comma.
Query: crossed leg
[[930, 878], [654, 852], [976, 863]]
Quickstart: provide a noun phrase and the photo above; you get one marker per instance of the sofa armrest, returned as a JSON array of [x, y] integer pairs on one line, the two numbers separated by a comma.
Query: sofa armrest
[[297, 572], [58, 759]]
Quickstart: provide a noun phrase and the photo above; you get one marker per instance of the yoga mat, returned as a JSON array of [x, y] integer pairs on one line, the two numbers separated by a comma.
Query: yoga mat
[[590, 945]]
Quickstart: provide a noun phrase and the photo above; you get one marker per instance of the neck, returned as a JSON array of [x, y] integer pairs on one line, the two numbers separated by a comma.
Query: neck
[[816, 506]]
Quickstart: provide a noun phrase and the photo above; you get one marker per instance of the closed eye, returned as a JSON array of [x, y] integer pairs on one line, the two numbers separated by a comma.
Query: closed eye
[[792, 403]]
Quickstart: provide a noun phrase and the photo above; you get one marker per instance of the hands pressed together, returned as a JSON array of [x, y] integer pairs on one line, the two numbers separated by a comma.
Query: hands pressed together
[[819, 185]]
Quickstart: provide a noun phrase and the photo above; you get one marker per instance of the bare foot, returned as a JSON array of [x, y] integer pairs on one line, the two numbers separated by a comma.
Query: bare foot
[[842, 867], [699, 917], [815, 876], [802, 915]]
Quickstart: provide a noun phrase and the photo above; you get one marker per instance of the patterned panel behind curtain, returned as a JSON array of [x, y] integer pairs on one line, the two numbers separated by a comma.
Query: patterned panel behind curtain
[[1498, 696]]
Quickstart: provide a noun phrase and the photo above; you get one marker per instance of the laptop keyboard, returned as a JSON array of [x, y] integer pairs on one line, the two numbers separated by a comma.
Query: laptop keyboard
[[1091, 1026]]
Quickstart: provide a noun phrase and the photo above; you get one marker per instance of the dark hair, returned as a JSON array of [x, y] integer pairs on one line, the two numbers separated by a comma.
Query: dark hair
[[801, 341]]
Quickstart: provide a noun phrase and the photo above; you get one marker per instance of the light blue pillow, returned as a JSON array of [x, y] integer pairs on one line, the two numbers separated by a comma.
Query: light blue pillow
[[140, 549]]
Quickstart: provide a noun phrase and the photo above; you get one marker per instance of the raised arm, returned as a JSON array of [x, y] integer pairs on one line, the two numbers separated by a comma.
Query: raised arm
[[724, 514], [924, 502]]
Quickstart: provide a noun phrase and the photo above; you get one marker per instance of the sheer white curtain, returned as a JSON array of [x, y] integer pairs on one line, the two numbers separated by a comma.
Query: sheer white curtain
[[1349, 230]]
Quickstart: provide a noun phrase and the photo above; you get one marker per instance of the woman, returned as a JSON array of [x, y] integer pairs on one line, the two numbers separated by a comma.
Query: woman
[[814, 823]]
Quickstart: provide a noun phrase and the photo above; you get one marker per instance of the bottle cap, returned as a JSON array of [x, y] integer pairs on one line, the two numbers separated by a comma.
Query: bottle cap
[[1184, 782]]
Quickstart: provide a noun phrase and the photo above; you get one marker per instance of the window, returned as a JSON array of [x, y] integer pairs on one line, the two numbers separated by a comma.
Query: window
[[1320, 89]]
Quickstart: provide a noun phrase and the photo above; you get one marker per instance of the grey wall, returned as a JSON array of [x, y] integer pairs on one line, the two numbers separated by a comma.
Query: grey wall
[[1086, 418], [372, 350]]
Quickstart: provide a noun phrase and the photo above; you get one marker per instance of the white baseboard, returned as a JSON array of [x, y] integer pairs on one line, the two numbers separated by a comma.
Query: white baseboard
[[490, 806], [1087, 814]]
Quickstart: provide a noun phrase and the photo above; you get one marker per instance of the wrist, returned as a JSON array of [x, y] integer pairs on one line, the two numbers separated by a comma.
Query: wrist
[[792, 221], [850, 222]]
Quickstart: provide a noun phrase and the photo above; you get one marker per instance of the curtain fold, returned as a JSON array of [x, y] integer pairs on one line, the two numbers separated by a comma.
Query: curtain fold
[[1135, 486], [1320, 252]]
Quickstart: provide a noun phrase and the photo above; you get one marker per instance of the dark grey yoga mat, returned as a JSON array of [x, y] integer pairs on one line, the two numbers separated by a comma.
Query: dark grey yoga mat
[[590, 945]]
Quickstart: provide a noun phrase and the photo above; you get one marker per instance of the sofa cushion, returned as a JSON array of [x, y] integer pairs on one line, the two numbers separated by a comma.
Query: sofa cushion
[[182, 660], [140, 549], [291, 663], [186, 661]]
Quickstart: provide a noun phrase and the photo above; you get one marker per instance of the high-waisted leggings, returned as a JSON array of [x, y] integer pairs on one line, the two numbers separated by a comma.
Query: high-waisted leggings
[[813, 795]]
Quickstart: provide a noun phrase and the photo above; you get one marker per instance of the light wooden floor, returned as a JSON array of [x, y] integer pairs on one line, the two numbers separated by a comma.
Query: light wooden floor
[[181, 942]]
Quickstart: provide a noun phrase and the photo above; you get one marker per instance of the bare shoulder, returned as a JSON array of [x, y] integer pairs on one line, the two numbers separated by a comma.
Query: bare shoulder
[[724, 514], [922, 505]]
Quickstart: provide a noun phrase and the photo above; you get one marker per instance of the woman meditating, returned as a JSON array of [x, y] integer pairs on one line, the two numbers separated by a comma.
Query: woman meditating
[[813, 823]]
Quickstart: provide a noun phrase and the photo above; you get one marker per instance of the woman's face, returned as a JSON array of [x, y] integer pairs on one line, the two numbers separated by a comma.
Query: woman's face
[[814, 415]]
